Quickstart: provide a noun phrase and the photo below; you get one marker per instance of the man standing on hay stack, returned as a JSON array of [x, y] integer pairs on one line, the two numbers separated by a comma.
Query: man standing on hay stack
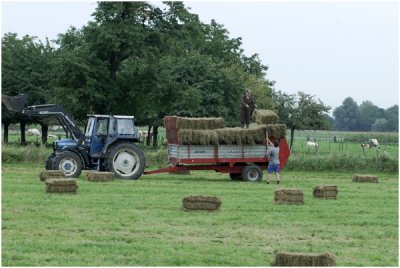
[[248, 105]]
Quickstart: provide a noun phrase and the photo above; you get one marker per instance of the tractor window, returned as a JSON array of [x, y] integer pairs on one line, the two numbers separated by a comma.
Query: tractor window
[[125, 126], [89, 127], [102, 125]]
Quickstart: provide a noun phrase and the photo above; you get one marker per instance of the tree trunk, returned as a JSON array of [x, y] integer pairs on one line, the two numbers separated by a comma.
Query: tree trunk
[[22, 125], [291, 137], [148, 136], [45, 131], [5, 134], [155, 137]]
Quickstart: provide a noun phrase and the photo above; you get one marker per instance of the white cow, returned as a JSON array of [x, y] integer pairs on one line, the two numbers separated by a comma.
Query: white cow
[[52, 136], [311, 144], [364, 145], [373, 143], [34, 132]]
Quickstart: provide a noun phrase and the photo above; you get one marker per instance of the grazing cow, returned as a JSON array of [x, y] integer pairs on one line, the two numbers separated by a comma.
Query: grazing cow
[[364, 145], [311, 144], [34, 132], [373, 143]]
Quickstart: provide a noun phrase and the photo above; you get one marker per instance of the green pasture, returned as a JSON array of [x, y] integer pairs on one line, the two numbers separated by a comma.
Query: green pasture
[[140, 223]]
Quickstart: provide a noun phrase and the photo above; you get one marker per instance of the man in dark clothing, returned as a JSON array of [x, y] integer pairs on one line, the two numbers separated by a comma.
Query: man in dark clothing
[[248, 105]]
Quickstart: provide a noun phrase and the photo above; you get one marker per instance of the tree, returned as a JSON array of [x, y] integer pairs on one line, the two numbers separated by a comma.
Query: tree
[[26, 65], [392, 117], [368, 114], [347, 116], [300, 112], [380, 125]]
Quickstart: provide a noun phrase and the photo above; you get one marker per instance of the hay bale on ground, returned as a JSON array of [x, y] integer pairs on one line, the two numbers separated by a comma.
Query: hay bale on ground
[[265, 116], [200, 123], [51, 174], [198, 202], [289, 196], [197, 137], [365, 178], [325, 191], [304, 259], [61, 186], [98, 176]]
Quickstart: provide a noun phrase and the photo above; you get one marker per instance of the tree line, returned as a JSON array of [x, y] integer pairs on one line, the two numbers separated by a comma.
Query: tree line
[[138, 59], [365, 117]]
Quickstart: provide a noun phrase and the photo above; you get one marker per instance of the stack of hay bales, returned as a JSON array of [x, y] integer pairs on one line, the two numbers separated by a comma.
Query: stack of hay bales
[[304, 259], [51, 174], [212, 131], [61, 186], [365, 178], [96, 176], [289, 196], [198, 202], [325, 191]]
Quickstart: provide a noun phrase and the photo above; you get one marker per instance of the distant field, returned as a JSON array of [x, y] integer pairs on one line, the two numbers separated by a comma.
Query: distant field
[[140, 223]]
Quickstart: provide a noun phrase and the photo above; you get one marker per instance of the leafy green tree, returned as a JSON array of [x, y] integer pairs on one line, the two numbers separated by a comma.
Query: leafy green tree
[[347, 115], [26, 65], [392, 117], [301, 111], [380, 125], [368, 114]]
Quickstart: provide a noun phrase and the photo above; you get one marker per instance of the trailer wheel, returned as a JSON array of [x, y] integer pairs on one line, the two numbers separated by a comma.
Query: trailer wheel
[[68, 162], [126, 161], [252, 173], [235, 176]]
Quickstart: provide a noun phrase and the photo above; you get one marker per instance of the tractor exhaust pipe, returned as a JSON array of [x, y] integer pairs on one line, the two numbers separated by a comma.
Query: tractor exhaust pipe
[[15, 103]]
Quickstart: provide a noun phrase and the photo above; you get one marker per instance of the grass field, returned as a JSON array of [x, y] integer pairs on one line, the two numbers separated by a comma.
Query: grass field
[[140, 223]]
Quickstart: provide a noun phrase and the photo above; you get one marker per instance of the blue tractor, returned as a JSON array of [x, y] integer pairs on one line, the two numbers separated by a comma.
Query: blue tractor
[[108, 143]]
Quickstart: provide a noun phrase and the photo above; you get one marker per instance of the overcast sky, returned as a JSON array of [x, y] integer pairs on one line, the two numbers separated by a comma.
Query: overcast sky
[[332, 50]]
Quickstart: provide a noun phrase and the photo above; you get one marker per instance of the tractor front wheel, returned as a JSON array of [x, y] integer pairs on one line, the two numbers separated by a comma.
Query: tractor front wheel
[[68, 162], [126, 161]]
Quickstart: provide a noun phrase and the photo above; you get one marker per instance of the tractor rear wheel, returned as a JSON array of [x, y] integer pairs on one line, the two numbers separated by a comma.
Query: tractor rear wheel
[[126, 161], [252, 173], [68, 162]]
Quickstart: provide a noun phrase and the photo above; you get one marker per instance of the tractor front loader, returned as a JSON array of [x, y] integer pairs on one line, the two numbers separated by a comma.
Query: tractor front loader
[[108, 143]]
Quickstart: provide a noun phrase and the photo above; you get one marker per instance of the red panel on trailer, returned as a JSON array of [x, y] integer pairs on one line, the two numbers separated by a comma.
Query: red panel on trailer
[[284, 152]]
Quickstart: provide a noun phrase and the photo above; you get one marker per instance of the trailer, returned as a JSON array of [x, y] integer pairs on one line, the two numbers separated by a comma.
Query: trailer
[[242, 162]]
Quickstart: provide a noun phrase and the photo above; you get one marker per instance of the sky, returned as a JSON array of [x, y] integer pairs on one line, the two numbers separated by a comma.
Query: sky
[[332, 50]]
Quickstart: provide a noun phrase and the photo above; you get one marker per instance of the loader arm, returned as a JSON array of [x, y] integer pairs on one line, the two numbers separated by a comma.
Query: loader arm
[[59, 112], [18, 104]]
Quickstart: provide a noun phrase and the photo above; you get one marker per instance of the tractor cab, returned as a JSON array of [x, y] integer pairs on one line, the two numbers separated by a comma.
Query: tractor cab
[[103, 130]]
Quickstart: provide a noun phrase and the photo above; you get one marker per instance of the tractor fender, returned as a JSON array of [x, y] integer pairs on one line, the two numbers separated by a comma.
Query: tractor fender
[[83, 156], [114, 142]]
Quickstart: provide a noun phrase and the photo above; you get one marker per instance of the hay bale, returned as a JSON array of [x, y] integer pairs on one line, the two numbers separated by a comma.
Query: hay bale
[[289, 196], [200, 123], [51, 174], [61, 186], [198, 202], [265, 116], [325, 191], [197, 137], [365, 178], [304, 259], [255, 134], [98, 176], [276, 130]]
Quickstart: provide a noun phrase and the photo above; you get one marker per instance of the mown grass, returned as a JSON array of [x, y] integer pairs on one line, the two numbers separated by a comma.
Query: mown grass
[[140, 223]]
